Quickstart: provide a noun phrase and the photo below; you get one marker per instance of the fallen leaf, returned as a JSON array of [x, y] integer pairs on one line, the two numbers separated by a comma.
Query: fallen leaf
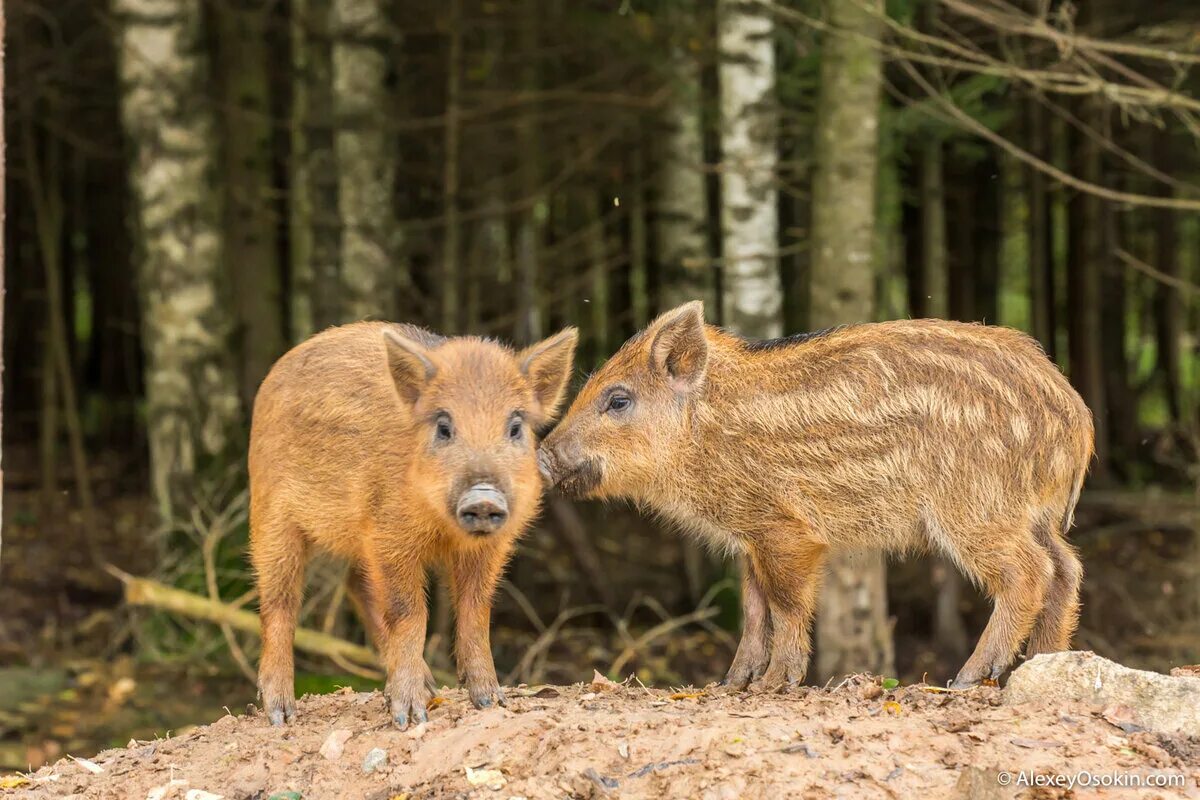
[[686, 695], [989, 682], [334, 744], [13, 781], [435, 702], [890, 683], [892, 707], [492, 778], [90, 766], [600, 683]]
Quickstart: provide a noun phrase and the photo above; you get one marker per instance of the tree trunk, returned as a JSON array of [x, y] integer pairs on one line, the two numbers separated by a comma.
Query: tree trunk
[[639, 255], [1041, 249], [314, 220], [1084, 271], [191, 392], [598, 289], [531, 218], [853, 632], [988, 237], [451, 278], [949, 632], [935, 280], [366, 159], [749, 154], [3, 228], [1168, 308], [251, 245], [681, 216]]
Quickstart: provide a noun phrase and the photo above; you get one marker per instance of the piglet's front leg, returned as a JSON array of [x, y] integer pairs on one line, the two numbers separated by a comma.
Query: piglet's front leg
[[404, 615], [473, 582], [753, 652]]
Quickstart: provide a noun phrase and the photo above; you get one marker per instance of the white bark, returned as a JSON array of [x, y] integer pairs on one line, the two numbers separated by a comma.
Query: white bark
[[366, 159], [191, 391], [682, 213], [749, 211]]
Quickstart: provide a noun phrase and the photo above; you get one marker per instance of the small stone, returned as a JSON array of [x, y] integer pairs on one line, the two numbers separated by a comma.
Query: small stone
[[374, 760], [332, 749]]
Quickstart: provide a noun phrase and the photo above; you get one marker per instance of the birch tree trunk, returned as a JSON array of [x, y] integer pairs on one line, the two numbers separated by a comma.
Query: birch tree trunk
[[685, 268], [366, 159], [314, 221], [251, 251], [191, 393], [853, 632], [753, 291]]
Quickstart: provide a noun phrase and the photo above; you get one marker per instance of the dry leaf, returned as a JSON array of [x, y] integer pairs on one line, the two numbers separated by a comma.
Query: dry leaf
[[892, 707], [90, 766], [600, 683], [13, 781], [435, 702], [686, 695]]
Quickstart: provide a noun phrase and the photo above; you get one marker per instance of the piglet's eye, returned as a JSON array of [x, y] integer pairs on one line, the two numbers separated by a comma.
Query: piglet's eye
[[618, 403], [514, 429], [444, 430]]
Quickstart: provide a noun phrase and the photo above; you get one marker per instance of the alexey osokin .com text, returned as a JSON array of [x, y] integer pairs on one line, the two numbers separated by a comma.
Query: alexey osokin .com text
[[1088, 779]]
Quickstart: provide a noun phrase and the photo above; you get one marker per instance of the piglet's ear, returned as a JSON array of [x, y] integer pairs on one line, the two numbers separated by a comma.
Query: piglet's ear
[[678, 348], [408, 361], [548, 365]]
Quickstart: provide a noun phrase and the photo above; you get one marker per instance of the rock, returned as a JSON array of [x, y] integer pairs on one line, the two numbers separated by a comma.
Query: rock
[[332, 749], [1167, 704], [374, 760]]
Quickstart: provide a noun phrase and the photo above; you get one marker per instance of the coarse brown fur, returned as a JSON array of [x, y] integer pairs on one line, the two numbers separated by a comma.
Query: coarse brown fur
[[364, 439], [956, 438]]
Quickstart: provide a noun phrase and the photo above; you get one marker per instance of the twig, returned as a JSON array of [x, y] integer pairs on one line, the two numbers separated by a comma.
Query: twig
[[547, 638], [658, 630], [1179, 284]]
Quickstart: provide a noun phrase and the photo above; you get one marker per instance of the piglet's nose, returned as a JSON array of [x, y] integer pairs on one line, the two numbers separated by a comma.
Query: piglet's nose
[[482, 509]]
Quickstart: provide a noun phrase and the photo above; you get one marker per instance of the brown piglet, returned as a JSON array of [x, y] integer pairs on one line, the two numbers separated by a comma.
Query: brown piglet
[[397, 449], [955, 438]]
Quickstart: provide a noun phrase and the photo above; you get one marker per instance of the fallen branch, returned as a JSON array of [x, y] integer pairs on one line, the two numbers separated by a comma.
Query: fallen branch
[[146, 592]]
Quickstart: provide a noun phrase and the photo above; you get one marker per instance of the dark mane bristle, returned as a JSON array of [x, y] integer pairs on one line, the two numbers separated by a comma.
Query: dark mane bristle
[[760, 345]]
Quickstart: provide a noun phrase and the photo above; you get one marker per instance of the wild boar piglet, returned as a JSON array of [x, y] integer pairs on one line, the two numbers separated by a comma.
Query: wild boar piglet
[[956, 438], [396, 449]]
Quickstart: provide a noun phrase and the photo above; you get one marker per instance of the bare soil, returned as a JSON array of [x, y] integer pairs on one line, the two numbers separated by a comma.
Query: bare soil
[[609, 740]]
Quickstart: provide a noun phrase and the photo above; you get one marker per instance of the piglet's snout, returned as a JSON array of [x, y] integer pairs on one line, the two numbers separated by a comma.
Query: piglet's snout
[[482, 509], [545, 461]]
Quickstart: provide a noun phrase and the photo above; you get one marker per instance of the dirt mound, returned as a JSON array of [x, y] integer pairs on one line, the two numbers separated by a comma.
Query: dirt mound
[[603, 739]]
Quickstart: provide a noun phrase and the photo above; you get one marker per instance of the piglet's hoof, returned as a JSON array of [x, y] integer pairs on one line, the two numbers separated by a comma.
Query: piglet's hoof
[[280, 705], [486, 695]]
